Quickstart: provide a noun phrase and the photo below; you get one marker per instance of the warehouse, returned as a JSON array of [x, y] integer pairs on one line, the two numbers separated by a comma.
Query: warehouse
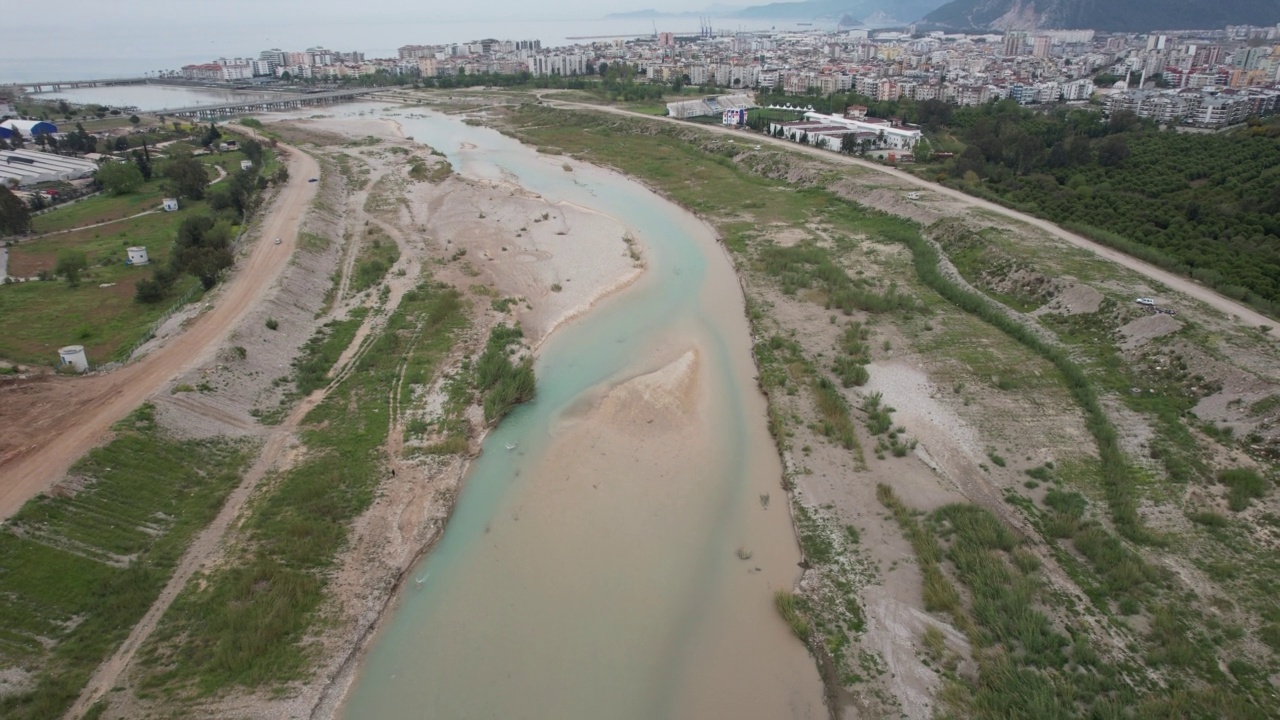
[[29, 128], [28, 167]]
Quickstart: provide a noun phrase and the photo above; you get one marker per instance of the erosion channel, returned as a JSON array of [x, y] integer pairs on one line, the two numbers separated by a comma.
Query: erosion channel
[[617, 545]]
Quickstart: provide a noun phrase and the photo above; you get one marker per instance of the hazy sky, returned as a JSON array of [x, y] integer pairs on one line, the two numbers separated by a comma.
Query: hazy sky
[[239, 12], [126, 38]]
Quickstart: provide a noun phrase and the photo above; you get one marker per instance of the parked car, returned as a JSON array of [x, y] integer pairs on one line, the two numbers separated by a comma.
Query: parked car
[[1145, 301]]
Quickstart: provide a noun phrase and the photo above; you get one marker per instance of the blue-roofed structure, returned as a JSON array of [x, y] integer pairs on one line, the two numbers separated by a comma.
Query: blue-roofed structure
[[30, 128]]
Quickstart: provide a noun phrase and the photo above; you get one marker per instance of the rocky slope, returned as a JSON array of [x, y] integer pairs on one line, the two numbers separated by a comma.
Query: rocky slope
[[1105, 15]]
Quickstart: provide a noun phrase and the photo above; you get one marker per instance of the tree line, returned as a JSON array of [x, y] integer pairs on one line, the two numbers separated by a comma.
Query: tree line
[[203, 246], [1203, 205]]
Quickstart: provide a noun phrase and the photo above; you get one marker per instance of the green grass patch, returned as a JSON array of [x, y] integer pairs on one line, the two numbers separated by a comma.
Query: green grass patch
[[78, 571], [99, 209], [246, 624], [790, 607], [377, 254], [37, 318], [1244, 485], [503, 384], [833, 415]]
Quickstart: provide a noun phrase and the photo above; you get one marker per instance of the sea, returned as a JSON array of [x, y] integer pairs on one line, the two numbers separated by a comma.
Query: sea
[[91, 51]]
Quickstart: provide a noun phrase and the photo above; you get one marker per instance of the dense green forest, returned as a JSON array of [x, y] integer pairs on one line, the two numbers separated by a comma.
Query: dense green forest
[[1204, 205]]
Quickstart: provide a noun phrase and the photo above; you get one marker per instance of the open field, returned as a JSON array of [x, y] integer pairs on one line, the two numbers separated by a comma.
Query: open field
[[100, 209], [36, 318], [100, 313], [84, 562], [45, 440], [1067, 465]]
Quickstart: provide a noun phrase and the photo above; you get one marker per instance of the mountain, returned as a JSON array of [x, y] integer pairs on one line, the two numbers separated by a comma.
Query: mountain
[[1103, 15]]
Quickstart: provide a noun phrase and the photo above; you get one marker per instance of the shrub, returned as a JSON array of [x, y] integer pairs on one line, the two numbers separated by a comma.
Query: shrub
[[272, 324], [1245, 485]]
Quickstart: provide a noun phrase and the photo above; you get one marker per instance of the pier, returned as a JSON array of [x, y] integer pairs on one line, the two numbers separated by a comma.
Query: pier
[[209, 112], [56, 85]]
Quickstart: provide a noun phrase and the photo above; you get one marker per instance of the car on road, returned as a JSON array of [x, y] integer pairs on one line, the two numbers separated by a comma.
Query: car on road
[[277, 241], [314, 180]]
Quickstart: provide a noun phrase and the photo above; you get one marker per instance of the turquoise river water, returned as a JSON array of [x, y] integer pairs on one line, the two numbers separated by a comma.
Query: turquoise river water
[[595, 570]]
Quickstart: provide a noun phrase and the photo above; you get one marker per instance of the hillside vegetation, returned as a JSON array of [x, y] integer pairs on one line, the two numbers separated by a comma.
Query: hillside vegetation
[[1202, 205]]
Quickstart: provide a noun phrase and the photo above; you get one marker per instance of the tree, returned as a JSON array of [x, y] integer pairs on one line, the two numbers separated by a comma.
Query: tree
[[252, 150], [143, 164], [1113, 151], [241, 191], [15, 217], [118, 178], [923, 151], [149, 291], [187, 177], [211, 136], [71, 263], [16, 141], [121, 144], [203, 249], [135, 119]]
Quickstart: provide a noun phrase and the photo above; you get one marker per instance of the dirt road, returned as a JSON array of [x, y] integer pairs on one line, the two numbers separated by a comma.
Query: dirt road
[[207, 544], [1178, 283], [50, 423]]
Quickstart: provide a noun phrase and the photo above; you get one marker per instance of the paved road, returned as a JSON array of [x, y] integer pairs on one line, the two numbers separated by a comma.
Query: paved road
[[59, 421], [1237, 310]]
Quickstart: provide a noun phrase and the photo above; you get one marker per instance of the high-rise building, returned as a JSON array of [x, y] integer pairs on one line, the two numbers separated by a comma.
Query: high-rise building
[[1043, 46], [274, 58], [1013, 43]]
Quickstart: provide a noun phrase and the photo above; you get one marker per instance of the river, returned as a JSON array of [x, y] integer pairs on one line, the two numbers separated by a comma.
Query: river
[[154, 98], [597, 569]]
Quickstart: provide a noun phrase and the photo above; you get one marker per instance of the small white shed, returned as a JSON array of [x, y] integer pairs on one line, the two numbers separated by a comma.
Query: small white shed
[[170, 204], [246, 164], [138, 256], [74, 356]]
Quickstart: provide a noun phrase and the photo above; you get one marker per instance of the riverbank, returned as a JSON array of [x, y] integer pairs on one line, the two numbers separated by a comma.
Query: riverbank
[[506, 269], [702, 627], [906, 371]]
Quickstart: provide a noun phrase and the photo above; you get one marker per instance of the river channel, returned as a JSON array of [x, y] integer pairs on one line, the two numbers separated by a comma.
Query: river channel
[[616, 546]]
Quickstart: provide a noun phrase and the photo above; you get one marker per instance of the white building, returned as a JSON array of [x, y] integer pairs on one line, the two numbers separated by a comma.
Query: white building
[[29, 167], [828, 131], [563, 65]]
